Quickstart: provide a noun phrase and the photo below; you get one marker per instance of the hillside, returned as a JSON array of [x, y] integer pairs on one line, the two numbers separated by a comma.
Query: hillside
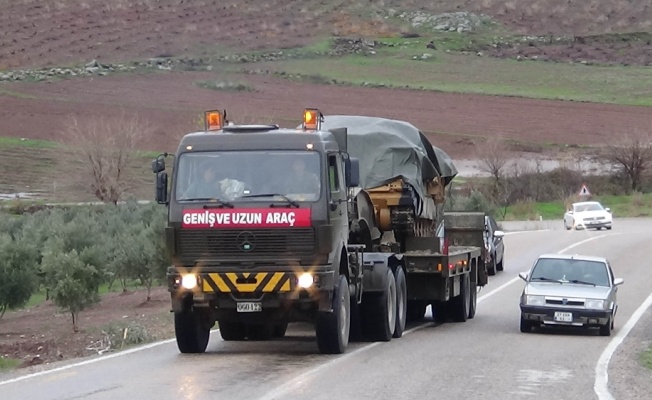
[[37, 33]]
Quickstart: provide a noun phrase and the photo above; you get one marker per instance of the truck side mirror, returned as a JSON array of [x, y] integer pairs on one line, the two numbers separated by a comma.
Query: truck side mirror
[[162, 187], [158, 165], [352, 172]]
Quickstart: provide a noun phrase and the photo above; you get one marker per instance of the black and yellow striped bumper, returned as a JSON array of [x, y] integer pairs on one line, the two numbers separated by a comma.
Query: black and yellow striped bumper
[[247, 282]]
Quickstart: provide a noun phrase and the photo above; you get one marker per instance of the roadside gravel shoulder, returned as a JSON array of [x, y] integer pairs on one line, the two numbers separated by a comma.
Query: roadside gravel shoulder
[[628, 378]]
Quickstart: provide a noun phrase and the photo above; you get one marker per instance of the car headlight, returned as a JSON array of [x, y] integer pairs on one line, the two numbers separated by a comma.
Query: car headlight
[[535, 300], [594, 304]]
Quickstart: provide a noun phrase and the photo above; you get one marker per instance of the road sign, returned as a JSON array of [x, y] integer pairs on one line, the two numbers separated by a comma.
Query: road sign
[[584, 191]]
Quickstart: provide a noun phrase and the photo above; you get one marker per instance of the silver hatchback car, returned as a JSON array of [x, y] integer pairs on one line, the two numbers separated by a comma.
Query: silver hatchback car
[[570, 290]]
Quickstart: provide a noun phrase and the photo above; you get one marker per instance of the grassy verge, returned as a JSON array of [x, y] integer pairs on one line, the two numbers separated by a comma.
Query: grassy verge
[[7, 363], [636, 205], [459, 73], [646, 358]]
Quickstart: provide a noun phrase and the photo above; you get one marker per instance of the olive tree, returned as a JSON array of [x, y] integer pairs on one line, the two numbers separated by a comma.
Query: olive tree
[[18, 279]]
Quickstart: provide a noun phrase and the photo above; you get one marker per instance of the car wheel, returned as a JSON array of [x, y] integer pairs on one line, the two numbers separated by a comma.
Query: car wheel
[[526, 326], [605, 330], [608, 228], [499, 266], [566, 226]]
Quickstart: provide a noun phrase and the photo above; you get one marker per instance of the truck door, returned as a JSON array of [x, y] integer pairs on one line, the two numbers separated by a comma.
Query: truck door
[[337, 197]]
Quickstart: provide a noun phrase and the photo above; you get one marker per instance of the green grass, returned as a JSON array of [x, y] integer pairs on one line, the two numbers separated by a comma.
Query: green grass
[[31, 143], [7, 363], [646, 358], [632, 206], [458, 73], [39, 296]]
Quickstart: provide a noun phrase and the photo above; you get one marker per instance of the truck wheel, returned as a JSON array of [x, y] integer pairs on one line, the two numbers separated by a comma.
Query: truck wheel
[[440, 311], [232, 330], [332, 329], [462, 303], [379, 311], [192, 331], [401, 302], [259, 332], [415, 310], [279, 330], [491, 269], [474, 300]]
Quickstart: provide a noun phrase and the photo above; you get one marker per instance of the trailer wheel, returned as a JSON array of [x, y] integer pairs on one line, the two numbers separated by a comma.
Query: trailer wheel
[[401, 302], [379, 311], [462, 303], [192, 331], [232, 330], [474, 300], [332, 329], [415, 310]]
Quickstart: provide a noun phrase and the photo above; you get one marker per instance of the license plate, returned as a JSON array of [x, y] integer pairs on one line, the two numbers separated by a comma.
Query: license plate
[[249, 306], [563, 316]]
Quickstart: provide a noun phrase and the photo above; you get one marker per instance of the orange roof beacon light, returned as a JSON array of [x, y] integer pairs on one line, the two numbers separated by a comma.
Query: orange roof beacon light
[[214, 120], [311, 119]]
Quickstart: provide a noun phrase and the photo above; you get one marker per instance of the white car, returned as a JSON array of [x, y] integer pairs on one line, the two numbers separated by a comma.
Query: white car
[[587, 214]]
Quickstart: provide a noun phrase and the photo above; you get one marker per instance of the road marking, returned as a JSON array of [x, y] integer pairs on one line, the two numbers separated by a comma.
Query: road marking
[[601, 386]]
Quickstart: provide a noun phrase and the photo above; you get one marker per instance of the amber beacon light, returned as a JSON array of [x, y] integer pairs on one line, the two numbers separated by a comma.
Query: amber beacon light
[[214, 119], [311, 119]]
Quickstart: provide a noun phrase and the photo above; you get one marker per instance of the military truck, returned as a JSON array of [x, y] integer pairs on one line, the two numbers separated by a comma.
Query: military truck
[[338, 222]]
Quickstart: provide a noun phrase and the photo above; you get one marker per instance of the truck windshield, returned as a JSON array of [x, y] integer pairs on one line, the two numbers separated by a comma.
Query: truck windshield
[[231, 175]]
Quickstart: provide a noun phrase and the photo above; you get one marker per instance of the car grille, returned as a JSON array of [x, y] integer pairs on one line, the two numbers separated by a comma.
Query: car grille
[[569, 303], [207, 243], [593, 218]]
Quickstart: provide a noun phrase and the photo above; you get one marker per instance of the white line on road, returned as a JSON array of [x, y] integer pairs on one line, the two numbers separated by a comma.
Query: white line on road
[[601, 386]]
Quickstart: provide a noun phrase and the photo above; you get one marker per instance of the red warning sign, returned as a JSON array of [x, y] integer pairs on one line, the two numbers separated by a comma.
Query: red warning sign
[[584, 191]]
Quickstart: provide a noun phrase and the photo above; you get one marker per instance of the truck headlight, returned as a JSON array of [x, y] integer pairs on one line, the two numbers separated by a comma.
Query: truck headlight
[[535, 300], [189, 281], [306, 280], [594, 304]]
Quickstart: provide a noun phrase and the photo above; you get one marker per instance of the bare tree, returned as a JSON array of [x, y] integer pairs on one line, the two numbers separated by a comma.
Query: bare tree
[[493, 157], [105, 145], [631, 155]]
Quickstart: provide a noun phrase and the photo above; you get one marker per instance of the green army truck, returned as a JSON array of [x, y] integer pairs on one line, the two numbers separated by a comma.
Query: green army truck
[[338, 222]]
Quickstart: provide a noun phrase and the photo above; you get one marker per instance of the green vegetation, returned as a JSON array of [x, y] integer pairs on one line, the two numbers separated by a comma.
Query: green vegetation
[[458, 73], [646, 358], [7, 363]]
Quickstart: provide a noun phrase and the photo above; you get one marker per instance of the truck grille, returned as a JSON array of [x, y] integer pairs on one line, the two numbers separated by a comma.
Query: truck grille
[[207, 243]]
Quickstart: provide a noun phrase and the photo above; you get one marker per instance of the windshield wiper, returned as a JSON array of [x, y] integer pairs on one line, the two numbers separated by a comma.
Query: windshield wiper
[[543, 278], [289, 200], [220, 203], [581, 282]]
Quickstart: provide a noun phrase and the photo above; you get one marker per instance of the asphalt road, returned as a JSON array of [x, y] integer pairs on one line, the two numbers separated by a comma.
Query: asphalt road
[[484, 358]]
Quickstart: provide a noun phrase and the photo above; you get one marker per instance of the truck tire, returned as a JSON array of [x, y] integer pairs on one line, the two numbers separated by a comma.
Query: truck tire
[[491, 268], [332, 328], [415, 310], [192, 331], [379, 311], [232, 330], [401, 302], [474, 300], [461, 304], [440, 311]]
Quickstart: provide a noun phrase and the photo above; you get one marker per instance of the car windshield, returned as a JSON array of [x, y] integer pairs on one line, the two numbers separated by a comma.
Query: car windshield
[[588, 207], [255, 175], [573, 271]]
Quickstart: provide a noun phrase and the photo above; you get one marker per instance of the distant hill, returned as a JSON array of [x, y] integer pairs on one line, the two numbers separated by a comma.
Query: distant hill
[[47, 33]]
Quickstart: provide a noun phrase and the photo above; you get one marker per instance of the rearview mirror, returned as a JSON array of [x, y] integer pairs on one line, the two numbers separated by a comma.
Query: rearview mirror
[[158, 164], [523, 275], [162, 187], [499, 234], [618, 281], [352, 172], [608, 209]]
